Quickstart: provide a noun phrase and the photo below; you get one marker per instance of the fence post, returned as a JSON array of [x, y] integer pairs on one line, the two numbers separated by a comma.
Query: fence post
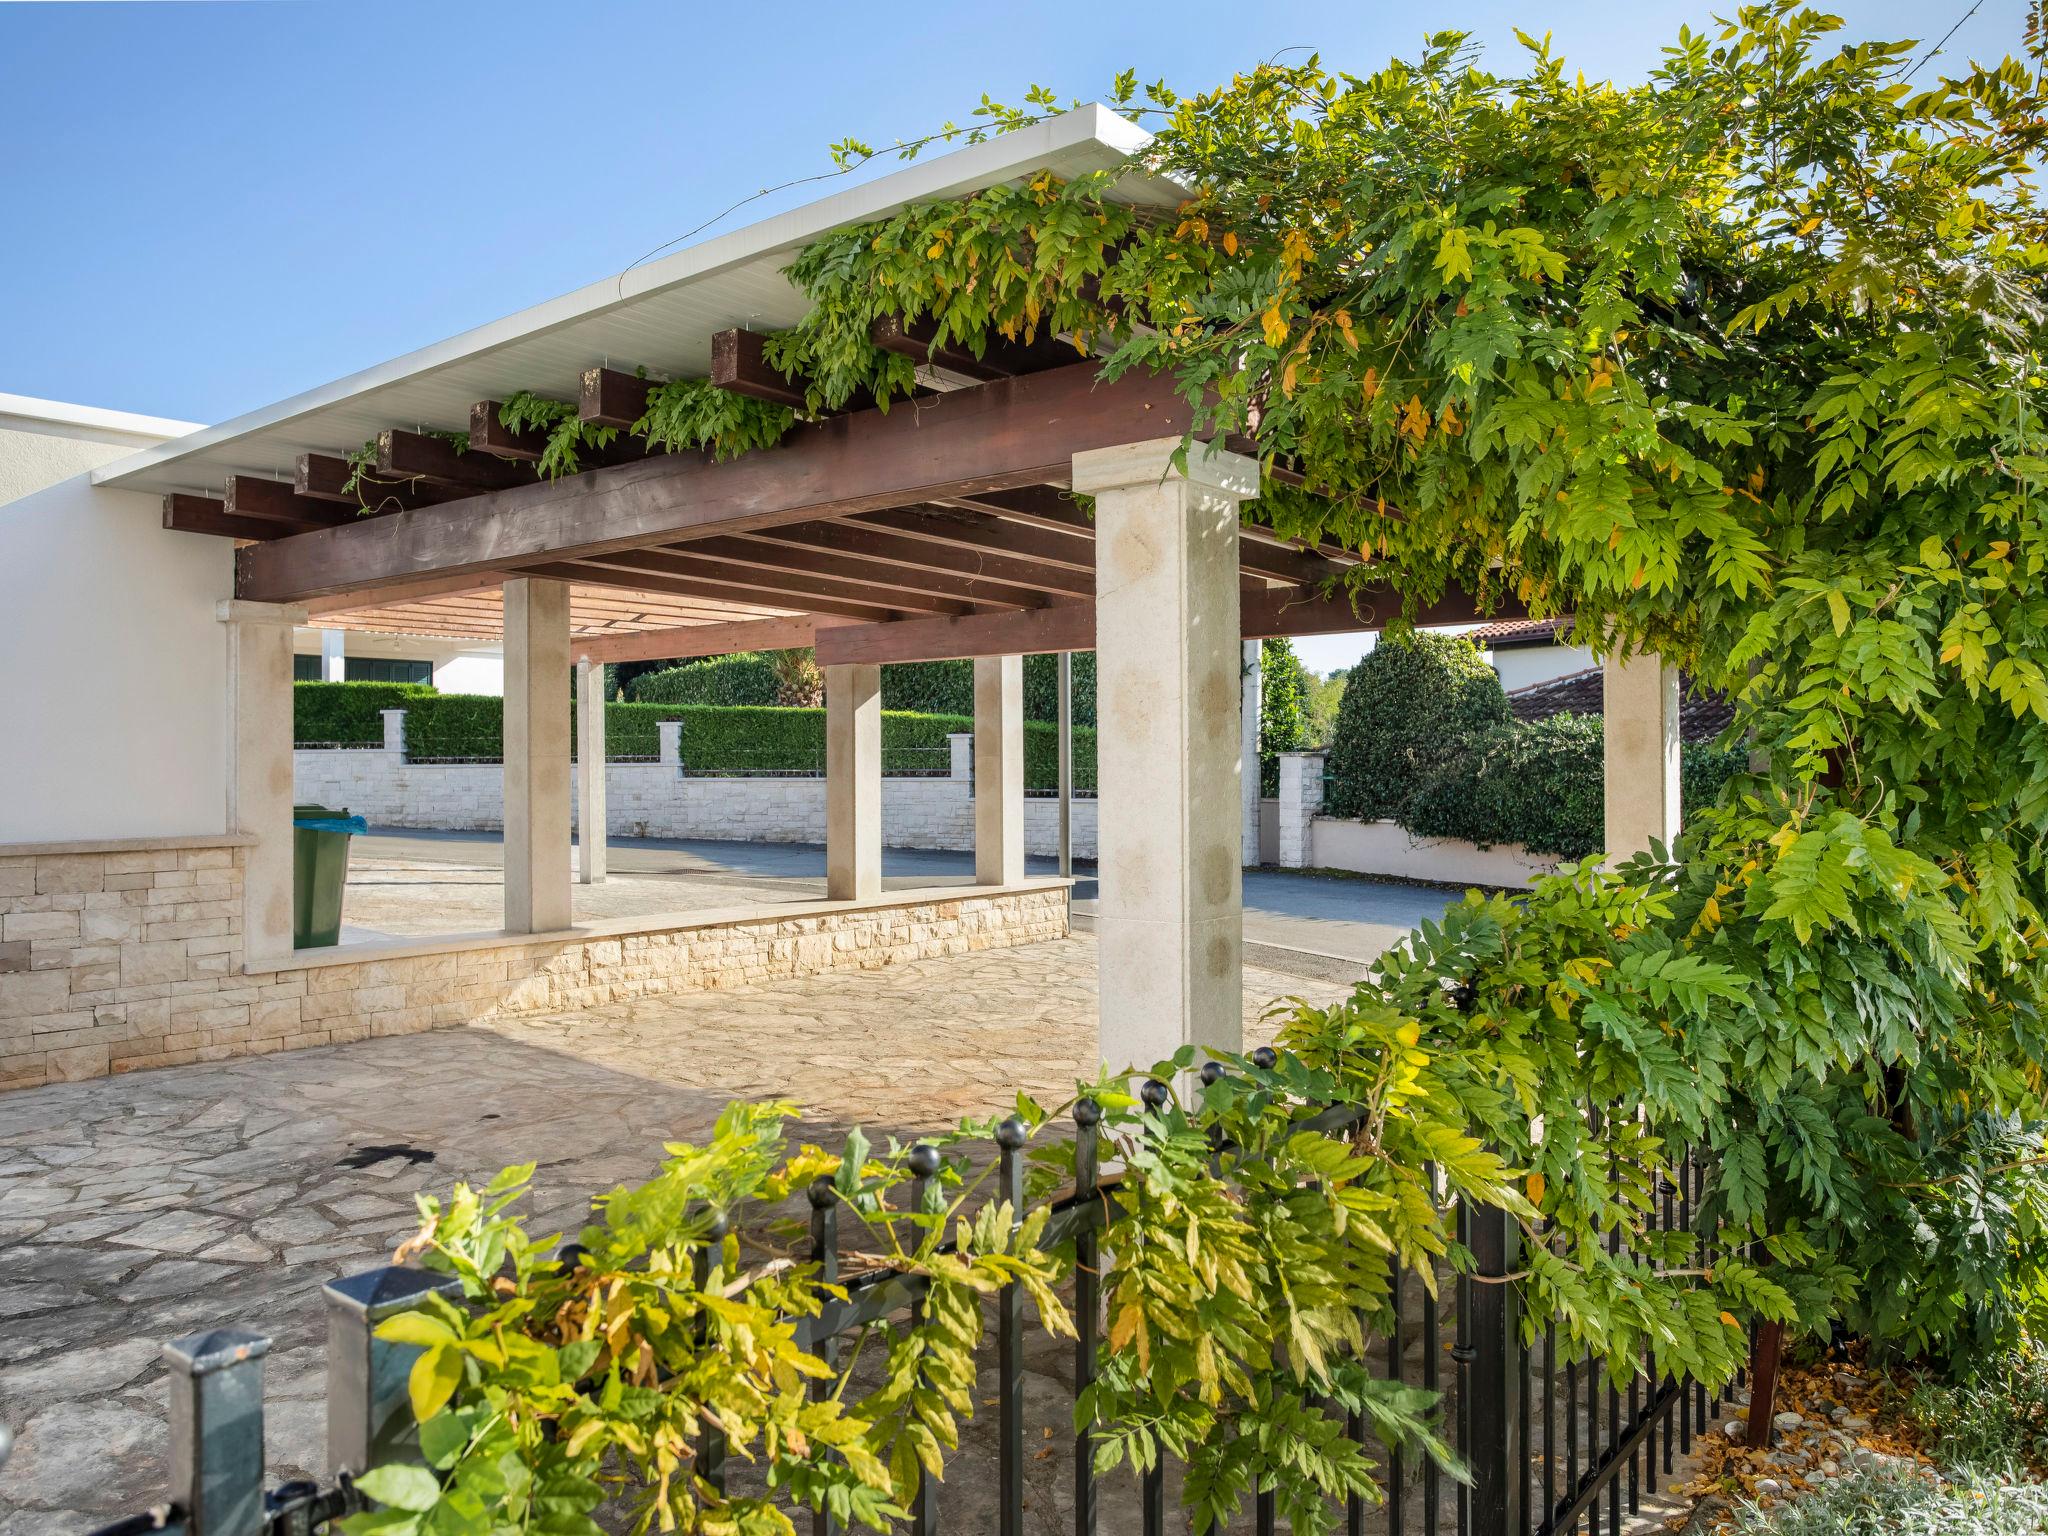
[[1300, 799], [217, 1431], [671, 734], [1494, 1450], [394, 732], [369, 1414]]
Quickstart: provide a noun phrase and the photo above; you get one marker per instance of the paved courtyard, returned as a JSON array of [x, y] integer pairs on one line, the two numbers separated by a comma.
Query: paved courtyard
[[136, 1209]]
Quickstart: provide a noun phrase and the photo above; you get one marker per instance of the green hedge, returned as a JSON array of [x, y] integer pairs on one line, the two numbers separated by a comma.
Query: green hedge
[[1542, 784], [947, 687], [1411, 707], [327, 714], [747, 677]]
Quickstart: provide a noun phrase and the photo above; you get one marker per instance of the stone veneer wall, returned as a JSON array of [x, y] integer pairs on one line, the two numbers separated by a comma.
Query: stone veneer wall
[[117, 959], [655, 800]]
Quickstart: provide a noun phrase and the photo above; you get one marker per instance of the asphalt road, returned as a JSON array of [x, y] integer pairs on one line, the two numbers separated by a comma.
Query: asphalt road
[[1307, 924]]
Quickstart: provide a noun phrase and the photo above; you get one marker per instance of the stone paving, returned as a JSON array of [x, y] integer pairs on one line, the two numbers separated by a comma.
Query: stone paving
[[136, 1209]]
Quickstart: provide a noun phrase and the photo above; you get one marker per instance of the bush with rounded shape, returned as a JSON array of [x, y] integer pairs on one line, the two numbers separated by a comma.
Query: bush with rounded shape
[[1409, 706]]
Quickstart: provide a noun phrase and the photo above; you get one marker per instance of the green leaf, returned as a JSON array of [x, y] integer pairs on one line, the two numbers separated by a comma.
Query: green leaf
[[401, 1487]]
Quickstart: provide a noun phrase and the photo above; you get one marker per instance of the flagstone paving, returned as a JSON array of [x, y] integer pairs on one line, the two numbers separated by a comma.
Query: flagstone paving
[[137, 1209]]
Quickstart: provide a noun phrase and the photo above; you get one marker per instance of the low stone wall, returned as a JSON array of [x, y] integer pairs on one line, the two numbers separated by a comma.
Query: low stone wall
[[656, 800], [119, 957]]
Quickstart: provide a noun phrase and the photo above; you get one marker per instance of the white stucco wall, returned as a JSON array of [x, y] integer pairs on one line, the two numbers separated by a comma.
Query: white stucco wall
[[44, 441], [460, 666], [113, 668], [1525, 666], [470, 672]]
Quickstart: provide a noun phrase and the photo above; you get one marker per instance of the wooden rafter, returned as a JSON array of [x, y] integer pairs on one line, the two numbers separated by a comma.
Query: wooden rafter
[[706, 587], [274, 501], [328, 477], [185, 513], [421, 456], [821, 557], [705, 639], [854, 540], [610, 398], [1004, 544], [1000, 359], [797, 586]]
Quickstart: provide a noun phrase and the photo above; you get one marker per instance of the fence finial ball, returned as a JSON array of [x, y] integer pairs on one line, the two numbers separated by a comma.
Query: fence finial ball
[[1155, 1093], [1087, 1114], [1011, 1134], [1265, 1058], [924, 1159], [822, 1193]]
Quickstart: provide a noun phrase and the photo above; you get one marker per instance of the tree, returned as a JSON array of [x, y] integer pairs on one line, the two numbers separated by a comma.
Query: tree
[[1412, 703], [1283, 709]]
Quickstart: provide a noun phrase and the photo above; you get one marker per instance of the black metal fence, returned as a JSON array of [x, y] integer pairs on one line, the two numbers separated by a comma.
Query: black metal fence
[[1550, 1442]]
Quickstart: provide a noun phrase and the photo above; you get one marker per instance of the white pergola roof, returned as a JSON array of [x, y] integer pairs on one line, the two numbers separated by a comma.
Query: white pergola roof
[[660, 316]]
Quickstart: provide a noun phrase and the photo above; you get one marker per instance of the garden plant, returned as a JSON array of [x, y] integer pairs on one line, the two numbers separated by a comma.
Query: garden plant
[[1739, 365]]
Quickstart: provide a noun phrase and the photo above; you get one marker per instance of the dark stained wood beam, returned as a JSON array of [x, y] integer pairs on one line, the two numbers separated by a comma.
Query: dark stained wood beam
[[489, 434], [680, 586], [610, 398], [326, 477], [203, 514], [1071, 626], [740, 364], [987, 536], [797, 587], [705, 639], [1016, 432], [765, 552], [274, 501], [421, 456], [854, 538], [1000, 359]]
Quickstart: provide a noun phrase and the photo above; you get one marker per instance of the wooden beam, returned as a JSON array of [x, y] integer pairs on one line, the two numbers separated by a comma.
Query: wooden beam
[[326, 477], [824, 558], [705, 639], [1017, 432], [413, 592], [274, 501], [1000, 359], [740, 364], [421, 456], [203, 514], [610, 398], [1071, 626], [699, 586], [987, 537], [797, 587], [489, 434]]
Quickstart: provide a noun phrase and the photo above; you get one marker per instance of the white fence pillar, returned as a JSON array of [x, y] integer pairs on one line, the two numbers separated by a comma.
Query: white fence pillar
[[1167, 661], [1641, 753], [1301, 800], [853, 783], [961, 744], [671, 750], [537, 883], [394, 732], [259, 788], [334, 655], [1250, 705]]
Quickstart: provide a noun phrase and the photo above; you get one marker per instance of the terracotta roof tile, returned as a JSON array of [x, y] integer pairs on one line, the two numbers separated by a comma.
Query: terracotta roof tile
[[1702, 715]]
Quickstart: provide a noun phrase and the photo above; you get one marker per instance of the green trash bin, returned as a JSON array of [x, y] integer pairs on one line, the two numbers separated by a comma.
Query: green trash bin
[[320, 872]]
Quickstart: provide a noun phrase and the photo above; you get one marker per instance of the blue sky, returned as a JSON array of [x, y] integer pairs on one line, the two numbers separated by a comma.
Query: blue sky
[[210, 206]]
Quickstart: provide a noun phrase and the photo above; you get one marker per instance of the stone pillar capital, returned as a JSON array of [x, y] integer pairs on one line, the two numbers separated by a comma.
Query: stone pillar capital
[[233, 610], [1136, 465]]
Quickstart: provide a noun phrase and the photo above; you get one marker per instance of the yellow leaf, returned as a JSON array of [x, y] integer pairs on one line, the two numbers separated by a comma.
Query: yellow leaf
[[1371, 388], [1230, 242], [1536, 1187], [1838, 610], [1275, 325], [1344, 329], [435, 1375], [1729, 1319], [1127, 1323]]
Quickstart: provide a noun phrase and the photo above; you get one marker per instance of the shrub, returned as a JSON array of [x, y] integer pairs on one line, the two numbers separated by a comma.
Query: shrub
[[1411, 704], [947, 687], [746, 677], [348, 713], [1283, 710], [1898, 1503], [1539, 784]]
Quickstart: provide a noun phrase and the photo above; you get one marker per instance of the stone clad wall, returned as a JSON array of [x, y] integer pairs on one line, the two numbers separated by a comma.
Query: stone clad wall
[[119, 959], [655, 800]]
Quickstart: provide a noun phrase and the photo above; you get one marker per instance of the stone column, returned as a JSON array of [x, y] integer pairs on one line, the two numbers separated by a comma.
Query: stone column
[[537, 879], [670, 734], [853, 783], [1249, 708], [259, 788], [394, 731], [960, 755], [1301, 798], [333, 656], [591, 830], [998, 770], [1167, 660], [1641, 753]]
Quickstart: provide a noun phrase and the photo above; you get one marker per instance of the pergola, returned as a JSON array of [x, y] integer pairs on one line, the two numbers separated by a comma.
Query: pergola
[[945, 527]]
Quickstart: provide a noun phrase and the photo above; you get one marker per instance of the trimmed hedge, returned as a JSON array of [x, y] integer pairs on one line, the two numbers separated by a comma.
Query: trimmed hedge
[[327, 714], [1542, 784], [772, 740], [746, 677], [1411, 707], [947, 687]]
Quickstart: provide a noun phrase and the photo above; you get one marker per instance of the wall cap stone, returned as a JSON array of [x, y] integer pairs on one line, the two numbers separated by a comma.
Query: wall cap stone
[[632, 927], [127, 845]]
